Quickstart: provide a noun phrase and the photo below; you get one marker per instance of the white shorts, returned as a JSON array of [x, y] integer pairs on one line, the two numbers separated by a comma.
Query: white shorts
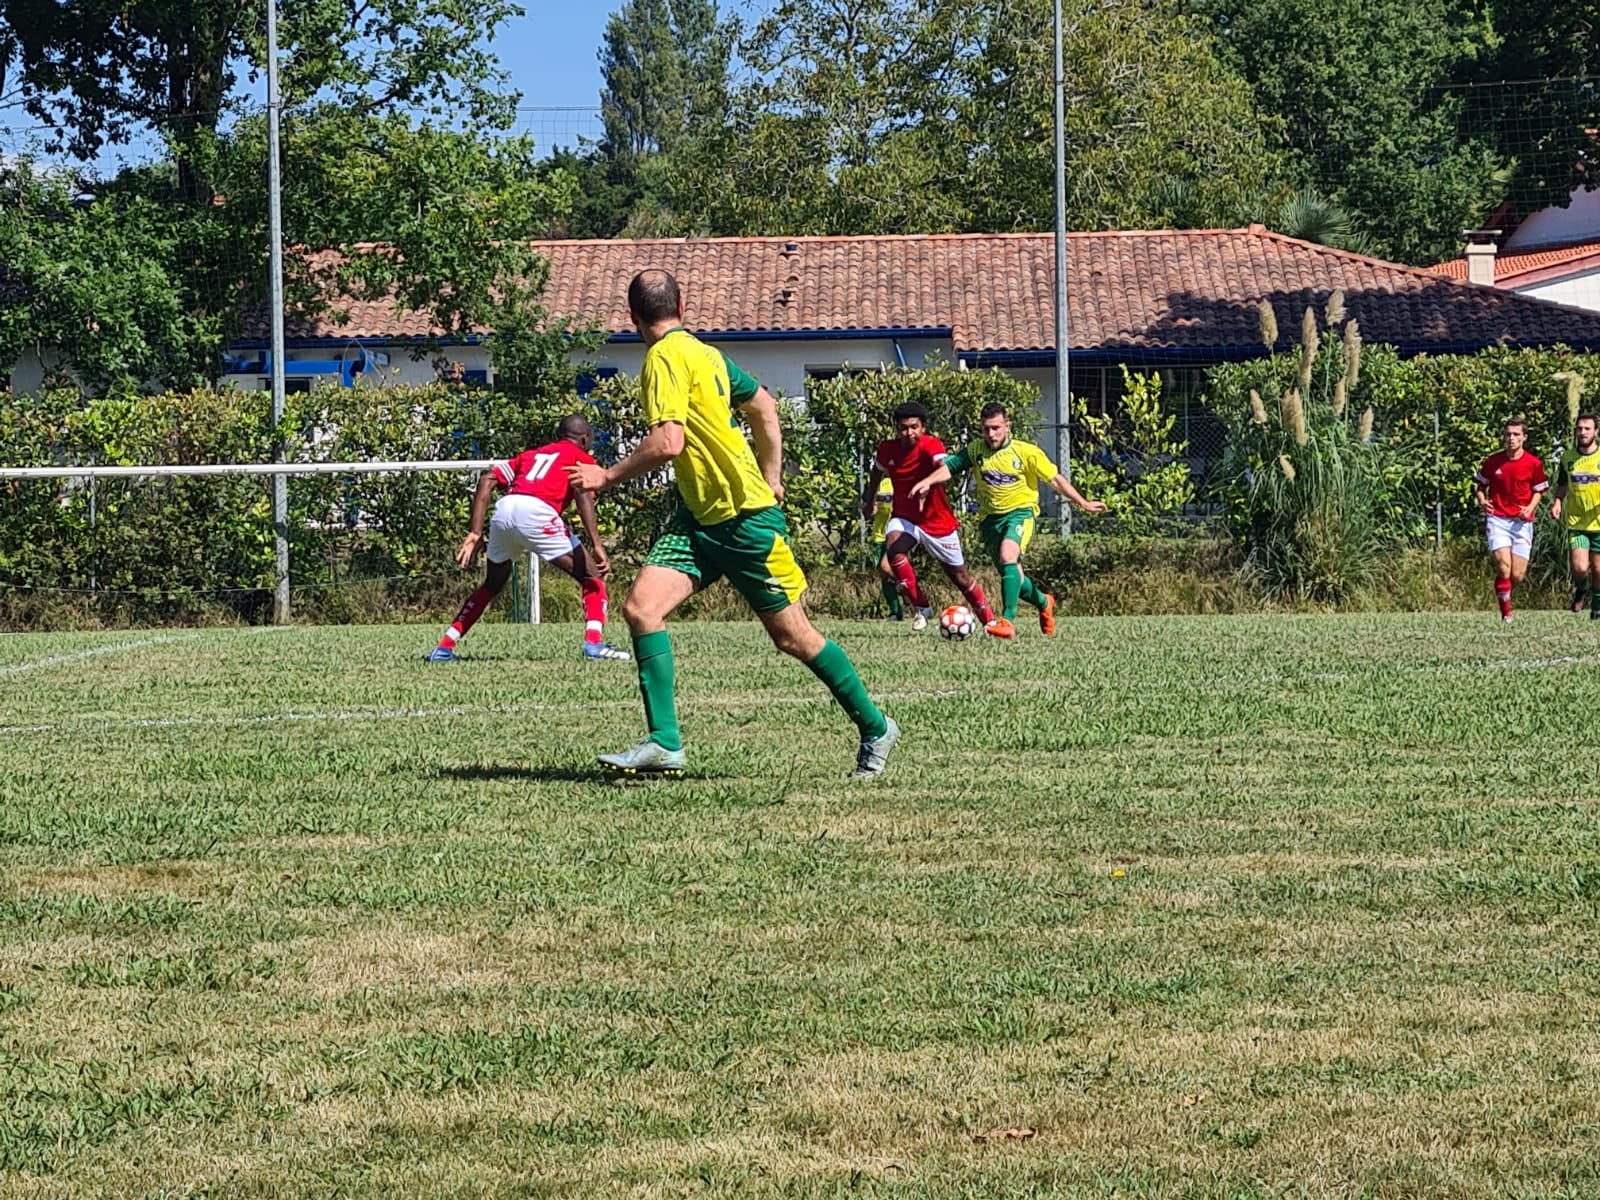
[[946, 549], [526, 524], [1512, 532]]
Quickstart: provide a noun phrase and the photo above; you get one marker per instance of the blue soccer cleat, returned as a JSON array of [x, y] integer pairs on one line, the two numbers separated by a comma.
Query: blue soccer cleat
[[602, 651], [442, 654], [645, 758], [873, 755]]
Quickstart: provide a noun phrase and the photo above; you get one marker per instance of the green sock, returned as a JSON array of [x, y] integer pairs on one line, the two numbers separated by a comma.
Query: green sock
[[1032, 592], [891, 597], [1010, 589], [834, 668], [653, 653]]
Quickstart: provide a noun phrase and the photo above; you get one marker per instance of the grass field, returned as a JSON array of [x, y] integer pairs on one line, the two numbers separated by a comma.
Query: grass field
[[1216, 907]]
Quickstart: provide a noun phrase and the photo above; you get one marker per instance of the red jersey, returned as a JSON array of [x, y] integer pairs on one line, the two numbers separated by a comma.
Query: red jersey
[[542, 473], [903, 466], [1512, 483]]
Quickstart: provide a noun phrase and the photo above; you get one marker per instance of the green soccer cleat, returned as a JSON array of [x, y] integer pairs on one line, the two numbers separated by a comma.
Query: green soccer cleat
[[873, 756], [645, 758]]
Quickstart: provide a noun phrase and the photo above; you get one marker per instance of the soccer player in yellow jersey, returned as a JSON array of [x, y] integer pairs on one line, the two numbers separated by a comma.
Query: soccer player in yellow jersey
[[728, 523], [1577, 504], [1008, 473], [882, 510]]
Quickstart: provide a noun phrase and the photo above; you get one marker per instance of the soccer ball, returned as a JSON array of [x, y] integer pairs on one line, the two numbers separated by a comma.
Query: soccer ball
[[957, 623]]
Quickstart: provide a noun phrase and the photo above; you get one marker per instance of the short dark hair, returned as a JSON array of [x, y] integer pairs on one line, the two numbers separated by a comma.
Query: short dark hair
[[1588, 416], [1516, 423], [993, 409], [910, 409], [574, 425], [654, 296]]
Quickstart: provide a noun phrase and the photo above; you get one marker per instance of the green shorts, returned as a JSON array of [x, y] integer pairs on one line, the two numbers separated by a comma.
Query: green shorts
[[752, 551], [1014, 526], [1583, 539]]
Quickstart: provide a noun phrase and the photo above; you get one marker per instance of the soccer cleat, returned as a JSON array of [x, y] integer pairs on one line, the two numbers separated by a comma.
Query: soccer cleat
[[894, 617], [1579, 599], [920, 621], [1505, 618], [605, 651], [873, 755], [1047, 615], [645, 758], [1000, 628], [441, 654]]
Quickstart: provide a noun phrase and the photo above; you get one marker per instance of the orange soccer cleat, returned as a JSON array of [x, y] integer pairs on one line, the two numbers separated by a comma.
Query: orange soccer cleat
[[1047, 615], [1000, 628]]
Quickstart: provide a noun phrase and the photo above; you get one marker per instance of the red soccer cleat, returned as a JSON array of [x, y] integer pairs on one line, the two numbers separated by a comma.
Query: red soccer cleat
[[1047, 615]]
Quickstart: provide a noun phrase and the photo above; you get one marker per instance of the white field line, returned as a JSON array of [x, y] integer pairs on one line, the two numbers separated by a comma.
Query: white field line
[[59, 660], [384, 715]]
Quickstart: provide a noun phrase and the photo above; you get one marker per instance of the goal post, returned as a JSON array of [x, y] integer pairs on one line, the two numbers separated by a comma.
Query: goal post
[[533, 609]]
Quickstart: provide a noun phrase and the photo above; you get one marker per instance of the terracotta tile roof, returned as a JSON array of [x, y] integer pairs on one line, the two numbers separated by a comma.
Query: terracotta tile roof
[[1531, 266], [1187, 291]]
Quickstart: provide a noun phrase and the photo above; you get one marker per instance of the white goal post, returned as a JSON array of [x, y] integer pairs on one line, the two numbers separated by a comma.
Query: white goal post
[[535, 607]]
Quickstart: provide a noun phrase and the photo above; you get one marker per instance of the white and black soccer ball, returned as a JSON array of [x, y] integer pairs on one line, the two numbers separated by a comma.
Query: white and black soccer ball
[[957, 623]]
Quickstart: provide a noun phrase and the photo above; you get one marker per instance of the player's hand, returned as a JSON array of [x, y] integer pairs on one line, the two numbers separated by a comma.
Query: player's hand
[[920, 489], [1093, 506], [869, 508], [470, 546], [602, 563], [1527, 511], [777, 490], [1555, 510], [586, 477]]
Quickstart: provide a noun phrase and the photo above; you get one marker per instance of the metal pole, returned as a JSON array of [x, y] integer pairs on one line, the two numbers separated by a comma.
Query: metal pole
[[535, 599], [1438, 490], [280, 483], [1063, 389]]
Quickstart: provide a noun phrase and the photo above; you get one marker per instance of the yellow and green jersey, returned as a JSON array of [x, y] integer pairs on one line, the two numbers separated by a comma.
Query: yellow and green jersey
[[880, 517], [696, 385], [1008, 479], [1580, 475]]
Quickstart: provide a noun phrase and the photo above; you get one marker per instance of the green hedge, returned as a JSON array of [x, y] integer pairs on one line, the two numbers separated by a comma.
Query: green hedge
[[174, 549]]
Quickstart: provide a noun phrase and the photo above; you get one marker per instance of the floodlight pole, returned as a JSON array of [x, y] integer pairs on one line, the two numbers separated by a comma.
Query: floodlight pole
[[1063, 388], [280, 483]]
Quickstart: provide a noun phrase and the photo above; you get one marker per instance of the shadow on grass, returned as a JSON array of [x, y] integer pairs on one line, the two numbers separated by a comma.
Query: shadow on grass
[[496, 772]]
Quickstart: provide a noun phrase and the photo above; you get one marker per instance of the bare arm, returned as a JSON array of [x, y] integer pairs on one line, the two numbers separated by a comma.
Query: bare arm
[[584, 503], [1062, 486], [869, 498], [473, 542], [661, 445], [940, 474], [767, 433]]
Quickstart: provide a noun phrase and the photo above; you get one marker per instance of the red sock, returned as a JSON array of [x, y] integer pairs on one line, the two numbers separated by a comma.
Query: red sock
[[477, 604], [594, 609], [976, 601], [907, 580], [1502, 591]]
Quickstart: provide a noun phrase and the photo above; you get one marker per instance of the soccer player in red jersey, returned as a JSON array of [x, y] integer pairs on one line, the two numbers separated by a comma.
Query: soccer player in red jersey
[[1509, 486], [528, 520], [925, 520]]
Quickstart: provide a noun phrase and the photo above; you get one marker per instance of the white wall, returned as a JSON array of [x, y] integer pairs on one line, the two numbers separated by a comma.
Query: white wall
[[28, 375], [1580, 291], [402, 368], [1578, 222]]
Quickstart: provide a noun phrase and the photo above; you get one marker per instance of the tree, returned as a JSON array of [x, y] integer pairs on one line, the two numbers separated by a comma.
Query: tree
[[865, 116], [665, 66], [1367, 114], [1543, 124], [101, 70], [105, 283]]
